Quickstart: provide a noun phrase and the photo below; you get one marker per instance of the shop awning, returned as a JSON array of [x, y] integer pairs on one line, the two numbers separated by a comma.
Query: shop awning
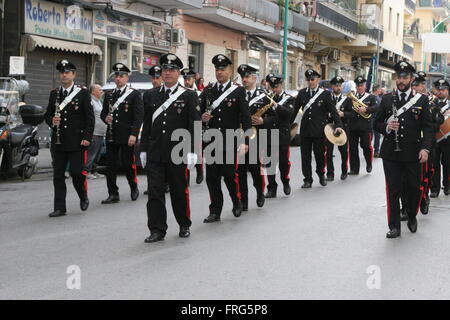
[[31, 42], [272, 46]]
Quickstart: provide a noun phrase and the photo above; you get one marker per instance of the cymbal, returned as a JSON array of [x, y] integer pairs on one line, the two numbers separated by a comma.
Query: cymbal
[[340, 140]]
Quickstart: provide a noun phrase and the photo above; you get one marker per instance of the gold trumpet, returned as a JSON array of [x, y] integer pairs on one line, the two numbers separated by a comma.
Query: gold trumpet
[[357, 105], [260, 112]]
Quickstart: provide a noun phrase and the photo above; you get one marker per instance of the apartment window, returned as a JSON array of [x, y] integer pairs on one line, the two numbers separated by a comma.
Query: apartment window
[[195, 56], [390, 20], [99, 71], [398, 24]]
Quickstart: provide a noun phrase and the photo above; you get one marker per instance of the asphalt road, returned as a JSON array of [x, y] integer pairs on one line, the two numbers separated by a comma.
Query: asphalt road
[[315, 244]]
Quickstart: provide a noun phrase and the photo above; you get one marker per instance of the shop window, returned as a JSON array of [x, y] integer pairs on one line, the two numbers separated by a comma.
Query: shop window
[[99, 72], [150, 59], [254, 58], [136, 59], [195, 56], [274, 62]]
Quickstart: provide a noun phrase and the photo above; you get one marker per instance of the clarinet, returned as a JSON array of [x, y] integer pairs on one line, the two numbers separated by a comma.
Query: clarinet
[[207, 110], [110, 127], [57, 114], [394, 113]]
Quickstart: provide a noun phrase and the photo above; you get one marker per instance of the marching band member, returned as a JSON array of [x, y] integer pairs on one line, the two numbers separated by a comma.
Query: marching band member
[[402, 118], [343, 106], [316, 105], [123, 113], [256, 99], [71, 117], [360, 128], [442, 155], [284, 111], [224, 106], [171, 107]]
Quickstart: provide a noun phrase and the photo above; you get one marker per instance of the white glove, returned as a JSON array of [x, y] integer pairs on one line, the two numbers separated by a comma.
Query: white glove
[[191, 160], [143, 156]]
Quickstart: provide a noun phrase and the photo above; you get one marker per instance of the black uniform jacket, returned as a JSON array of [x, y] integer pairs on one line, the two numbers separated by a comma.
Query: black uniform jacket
[[358, 122], [157, 136], [316, 117], [345, 107], [231, 112], [77, 119], [127, 118], [415, 132]]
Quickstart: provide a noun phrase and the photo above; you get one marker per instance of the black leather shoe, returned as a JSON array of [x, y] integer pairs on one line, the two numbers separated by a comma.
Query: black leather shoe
[[323, 181], [260, 200], [271, 194], [307, 185], [244, 206], [154, 237], [425, 205], [134, 194], [330, 177], [84, 204], [287, 188], [434, 194], [403, 214], [447, 191], [111, 199], [412, 225], [376, 154], [146, 192], [344, 176], [353, 173], [199, 179], [184, 232], [237, 210], [211, 218], [57, 213], [369, 168], [393, 233]]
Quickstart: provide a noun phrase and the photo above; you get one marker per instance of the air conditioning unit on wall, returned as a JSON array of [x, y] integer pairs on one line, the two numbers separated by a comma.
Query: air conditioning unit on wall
[[336, 54], [178, 37]]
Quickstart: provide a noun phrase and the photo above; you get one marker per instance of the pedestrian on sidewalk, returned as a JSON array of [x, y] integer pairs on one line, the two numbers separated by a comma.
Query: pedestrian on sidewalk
[[95, 148]]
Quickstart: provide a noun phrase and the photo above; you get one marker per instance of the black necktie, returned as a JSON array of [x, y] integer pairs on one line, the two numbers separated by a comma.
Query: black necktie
[[221, 88], [168, 93], [313, 92], [403, 98], [65, 93], [249, 95]]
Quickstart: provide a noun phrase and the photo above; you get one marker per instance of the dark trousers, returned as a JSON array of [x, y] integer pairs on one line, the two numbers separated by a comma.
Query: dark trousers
[[128, 164], [158, 174], [376, 141], [257, 176], [343, 150], [363, 138], [77, 160], [214, 174], [284, 166], [318, 146], [400, 176], [442, 157]]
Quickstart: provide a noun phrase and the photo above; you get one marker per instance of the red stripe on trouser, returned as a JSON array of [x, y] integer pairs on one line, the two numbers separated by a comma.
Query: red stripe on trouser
[[348, 155], [186, 193], [261, 173], [134, 169], [422, 191], [425, 179], [370, 147], [289, 163], [325, 158], [388, 203], [236, 178], [84, 172]]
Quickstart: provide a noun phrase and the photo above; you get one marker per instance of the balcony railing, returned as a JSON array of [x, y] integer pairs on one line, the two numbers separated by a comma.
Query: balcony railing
[[259, 10], [412, 32], [410, 5], [407, 49], [434, 4], [336, 16]]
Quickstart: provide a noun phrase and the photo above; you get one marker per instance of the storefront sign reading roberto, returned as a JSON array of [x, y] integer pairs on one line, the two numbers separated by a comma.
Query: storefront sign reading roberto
[[56, 21]]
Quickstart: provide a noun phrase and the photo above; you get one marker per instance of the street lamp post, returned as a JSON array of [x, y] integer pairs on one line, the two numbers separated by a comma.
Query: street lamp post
[[285, 38]]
